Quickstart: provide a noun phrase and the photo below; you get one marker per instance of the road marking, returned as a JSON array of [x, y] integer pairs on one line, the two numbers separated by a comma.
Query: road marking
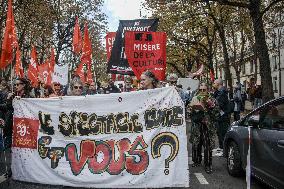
[[2, 178], [201, 178]]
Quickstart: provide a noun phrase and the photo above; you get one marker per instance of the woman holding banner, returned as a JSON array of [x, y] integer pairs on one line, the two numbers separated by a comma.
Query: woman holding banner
[[203, 112], [148, 80]]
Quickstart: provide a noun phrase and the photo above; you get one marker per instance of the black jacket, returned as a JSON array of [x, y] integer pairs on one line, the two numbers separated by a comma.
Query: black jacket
[[221, 95]]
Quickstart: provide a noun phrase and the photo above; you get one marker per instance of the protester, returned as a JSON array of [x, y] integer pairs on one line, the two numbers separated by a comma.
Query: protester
[[172, 79], [120, 86], [223, 122], [76, 88], [148, 80], [48, 91], [111, 88], [244, 98], [237, 99], [57, 90], [128, 85], [4, 91], [258, 95], [203, 113], [92, 89], [251, 91]]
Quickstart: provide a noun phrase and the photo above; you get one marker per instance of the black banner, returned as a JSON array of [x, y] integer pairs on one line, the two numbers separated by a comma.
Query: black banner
[[118, 63]]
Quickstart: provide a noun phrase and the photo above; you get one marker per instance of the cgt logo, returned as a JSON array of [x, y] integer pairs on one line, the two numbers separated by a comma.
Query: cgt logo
[[25, 133]]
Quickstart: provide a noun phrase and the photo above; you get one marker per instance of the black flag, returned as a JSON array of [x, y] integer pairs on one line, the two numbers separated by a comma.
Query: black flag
[[118, 63]]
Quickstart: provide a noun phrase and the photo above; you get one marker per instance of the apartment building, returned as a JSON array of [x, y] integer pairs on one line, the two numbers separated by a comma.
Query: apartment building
[[250, 69]]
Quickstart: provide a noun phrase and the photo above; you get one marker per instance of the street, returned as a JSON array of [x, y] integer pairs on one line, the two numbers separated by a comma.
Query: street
[[199, 179]]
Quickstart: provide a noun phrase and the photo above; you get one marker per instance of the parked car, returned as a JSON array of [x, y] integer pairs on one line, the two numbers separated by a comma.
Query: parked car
[[267, 144]]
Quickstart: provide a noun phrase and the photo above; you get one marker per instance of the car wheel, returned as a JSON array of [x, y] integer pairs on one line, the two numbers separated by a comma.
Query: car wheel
[[234, 163]]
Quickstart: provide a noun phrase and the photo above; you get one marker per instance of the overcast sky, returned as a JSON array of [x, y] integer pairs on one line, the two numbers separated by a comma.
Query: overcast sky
[[122, 10]]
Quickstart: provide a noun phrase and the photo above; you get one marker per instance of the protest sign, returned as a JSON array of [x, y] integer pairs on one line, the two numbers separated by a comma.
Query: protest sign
[[135, 140], [60, 74], [146, 51], [118, 63]]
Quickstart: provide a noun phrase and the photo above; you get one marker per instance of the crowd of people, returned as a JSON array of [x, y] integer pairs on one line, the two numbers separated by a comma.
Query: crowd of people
[[210, 106]]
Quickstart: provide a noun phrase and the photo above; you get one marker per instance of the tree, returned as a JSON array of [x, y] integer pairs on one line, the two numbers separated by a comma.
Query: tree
[[46, 23], [191, 34], [256, 10]]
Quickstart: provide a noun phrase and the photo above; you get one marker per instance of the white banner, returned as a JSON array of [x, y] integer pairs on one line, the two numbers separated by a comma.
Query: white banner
[[122, 140], [60, 74]]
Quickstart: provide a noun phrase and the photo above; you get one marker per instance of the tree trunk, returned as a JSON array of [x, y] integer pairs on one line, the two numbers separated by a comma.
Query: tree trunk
[[262, 50], [228, 76], [238, 74]]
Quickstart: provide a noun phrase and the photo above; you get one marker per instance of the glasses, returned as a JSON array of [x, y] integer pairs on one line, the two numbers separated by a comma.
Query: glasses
[[78, 87], [173, 82], [17, 84], [203, 90], [56, 84]]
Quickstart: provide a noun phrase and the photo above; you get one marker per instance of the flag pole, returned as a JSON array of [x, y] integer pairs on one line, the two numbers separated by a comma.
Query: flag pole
[[12, 74], [248, 167]]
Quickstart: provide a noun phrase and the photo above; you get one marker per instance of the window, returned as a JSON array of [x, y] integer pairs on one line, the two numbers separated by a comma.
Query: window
[[251, 66], [275, 83], [274, 62], [243, 69], [268, 117], [252, 119], [272, 116]]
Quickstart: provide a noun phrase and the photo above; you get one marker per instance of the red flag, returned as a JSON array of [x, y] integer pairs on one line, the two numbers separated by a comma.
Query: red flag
[[44, 72], [110, 37], [32, 71], [146, 51], [10, 38], [77, 41], [19, 71], [84, 69]]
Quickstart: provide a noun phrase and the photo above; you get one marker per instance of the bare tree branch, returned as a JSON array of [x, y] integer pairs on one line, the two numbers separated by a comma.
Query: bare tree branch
[[232, 3]]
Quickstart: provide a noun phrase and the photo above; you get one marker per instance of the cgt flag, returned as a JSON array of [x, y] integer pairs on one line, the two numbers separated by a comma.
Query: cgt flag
[[77, 39], [19, 71], [84, 70], [33, 70], [146, 51], [10, 38]]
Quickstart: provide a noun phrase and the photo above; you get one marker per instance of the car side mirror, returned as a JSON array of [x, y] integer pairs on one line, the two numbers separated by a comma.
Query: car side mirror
[[253, 121]]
